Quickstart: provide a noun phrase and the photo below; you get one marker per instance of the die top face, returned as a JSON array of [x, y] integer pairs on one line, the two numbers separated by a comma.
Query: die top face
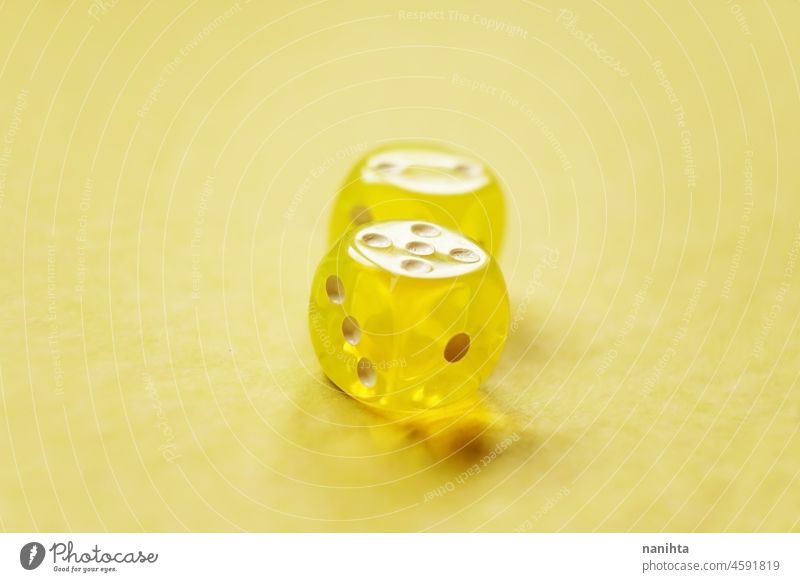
[[425, 171], [417, 249]]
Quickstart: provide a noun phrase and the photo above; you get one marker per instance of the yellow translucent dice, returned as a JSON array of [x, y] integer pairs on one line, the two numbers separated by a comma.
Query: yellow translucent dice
[[408, 315], [422, 182]]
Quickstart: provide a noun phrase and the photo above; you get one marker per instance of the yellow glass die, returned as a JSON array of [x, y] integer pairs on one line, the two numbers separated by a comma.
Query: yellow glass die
[[408, 315], [422, 182]]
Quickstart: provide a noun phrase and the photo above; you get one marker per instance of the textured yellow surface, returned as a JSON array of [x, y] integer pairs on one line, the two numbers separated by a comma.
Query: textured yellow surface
[[166, 171]]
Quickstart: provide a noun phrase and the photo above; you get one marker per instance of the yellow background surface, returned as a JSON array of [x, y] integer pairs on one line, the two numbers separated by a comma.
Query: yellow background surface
[[166, 174]]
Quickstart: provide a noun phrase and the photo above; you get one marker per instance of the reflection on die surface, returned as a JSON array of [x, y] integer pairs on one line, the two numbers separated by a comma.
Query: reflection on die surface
[[422, 182], [408, 315]]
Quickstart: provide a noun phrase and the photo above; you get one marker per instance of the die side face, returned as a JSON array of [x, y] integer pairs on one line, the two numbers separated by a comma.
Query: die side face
[[407, 315], [425, 183]]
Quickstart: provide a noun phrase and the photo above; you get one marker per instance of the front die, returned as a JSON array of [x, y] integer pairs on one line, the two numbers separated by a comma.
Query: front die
[[422, 182], [408, 315]]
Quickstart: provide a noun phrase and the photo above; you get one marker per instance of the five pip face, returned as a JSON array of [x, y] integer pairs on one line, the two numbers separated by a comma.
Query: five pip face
[[422, 182], [408, 315]]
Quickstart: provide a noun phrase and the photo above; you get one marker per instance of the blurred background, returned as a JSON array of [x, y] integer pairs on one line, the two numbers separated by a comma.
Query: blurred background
[[166, 174]]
